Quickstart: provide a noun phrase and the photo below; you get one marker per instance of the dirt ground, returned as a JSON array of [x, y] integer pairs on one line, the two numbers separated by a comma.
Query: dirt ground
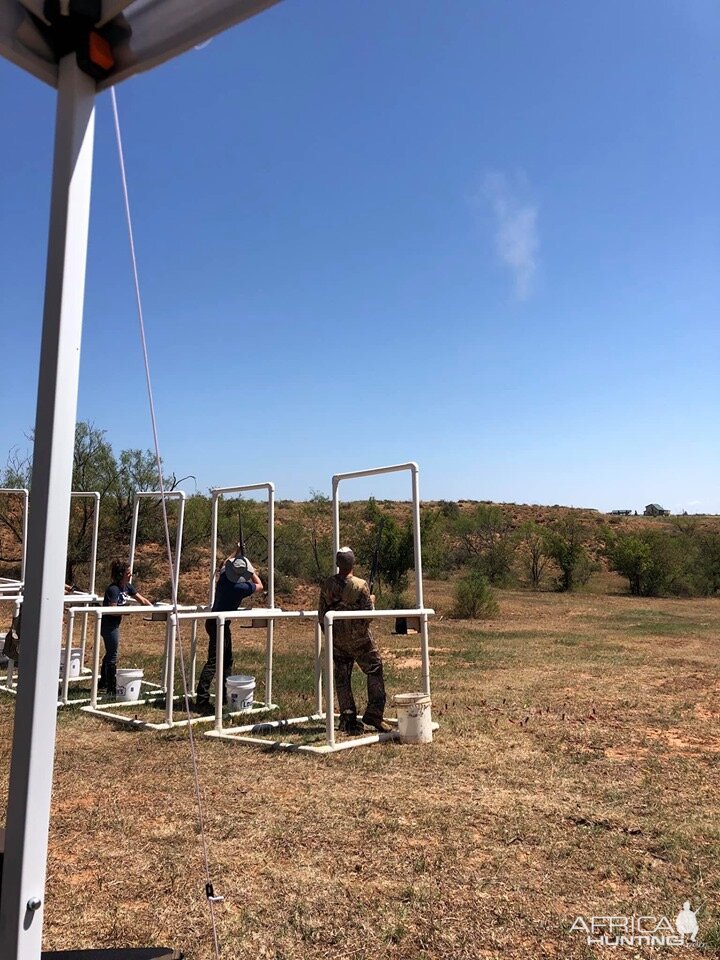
[[575, 772]]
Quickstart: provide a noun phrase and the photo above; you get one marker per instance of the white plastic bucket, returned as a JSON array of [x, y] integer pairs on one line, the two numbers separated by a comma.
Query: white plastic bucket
[[75, 661], [240, 693], [128, 683], [414, 717]]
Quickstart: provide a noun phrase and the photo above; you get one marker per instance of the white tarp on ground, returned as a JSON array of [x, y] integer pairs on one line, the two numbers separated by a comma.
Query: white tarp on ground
[[160, 30]]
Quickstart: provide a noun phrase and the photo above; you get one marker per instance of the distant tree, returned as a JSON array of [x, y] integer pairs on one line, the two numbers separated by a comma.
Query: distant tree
[[534, 543], [394, 544], [656, 562], [708, 562], [565, 545], [95, 468], [631, 556], [317, 512], [485, 538], [435, 539]]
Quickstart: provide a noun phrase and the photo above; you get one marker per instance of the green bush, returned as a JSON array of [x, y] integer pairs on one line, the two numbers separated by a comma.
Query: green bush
[[656, 562], [474, 599]]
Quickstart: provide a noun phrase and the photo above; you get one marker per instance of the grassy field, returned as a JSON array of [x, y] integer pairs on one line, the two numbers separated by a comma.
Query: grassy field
[[575, 772]]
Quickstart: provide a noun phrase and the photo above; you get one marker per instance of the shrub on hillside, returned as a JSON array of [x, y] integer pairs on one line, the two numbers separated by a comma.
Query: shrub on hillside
[[657, 562], [474, 598]]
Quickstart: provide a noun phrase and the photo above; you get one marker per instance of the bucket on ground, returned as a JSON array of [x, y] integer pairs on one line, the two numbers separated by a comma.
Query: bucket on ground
[[128, 683], [414, 717], [240, 693], [75, 661]]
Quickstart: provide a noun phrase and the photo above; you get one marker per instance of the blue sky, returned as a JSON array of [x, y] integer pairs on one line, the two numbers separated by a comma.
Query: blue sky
[[484, 236]]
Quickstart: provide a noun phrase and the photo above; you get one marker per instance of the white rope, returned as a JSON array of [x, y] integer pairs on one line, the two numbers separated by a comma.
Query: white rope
[[198, 793]]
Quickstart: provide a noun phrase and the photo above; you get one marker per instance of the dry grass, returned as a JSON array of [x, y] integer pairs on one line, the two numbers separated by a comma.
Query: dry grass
[[576, 771]]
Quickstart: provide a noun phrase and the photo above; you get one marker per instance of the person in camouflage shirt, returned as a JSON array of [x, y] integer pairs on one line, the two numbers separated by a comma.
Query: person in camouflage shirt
[[353, 643]]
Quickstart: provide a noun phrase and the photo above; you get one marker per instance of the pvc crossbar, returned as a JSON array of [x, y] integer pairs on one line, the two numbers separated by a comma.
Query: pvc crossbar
[[414, 470]]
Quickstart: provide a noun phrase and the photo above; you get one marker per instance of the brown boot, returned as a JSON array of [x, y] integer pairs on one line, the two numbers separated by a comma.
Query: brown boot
[[379, 724]]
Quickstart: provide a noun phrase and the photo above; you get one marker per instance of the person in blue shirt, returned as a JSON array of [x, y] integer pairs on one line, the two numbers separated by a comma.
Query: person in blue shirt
[[236, 582], [116, 595]]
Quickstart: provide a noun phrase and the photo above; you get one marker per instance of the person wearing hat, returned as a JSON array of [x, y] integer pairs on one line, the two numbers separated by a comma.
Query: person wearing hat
[[236, 582], [353, 643]]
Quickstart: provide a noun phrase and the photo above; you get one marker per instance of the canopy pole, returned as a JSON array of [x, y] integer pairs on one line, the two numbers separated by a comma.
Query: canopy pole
[[33, 750]]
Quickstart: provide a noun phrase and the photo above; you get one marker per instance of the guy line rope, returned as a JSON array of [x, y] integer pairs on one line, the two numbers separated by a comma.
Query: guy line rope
[[209, 890]]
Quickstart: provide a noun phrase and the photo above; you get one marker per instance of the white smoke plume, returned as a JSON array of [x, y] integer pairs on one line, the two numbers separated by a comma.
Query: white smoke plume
[[516, 232]]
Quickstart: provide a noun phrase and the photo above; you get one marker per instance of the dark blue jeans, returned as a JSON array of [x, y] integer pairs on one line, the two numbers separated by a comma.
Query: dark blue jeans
[[208, 671], [108, 670]]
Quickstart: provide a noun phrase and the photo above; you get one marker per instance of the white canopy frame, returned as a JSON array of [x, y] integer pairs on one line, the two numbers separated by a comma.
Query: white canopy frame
[[28, 816], [161, 29]]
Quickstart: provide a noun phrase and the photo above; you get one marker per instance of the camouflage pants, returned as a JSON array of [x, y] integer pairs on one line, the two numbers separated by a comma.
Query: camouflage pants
[[367, 657]]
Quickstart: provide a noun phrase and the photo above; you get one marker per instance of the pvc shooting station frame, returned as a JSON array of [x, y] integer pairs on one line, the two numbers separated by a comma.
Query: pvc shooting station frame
[[192, 614], [252, 734], [154, 33], [414, 471], [98, 706], [217, 493], [76, 598], [10, 589]]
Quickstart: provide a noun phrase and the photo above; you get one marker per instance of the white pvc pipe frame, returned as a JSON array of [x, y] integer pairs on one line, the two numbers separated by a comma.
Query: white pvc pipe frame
[[168, 681], [105, 710], [216, 494], [421, 612], [10, 685], [414, 470], [15, 586], [169, 657], [322, 664]]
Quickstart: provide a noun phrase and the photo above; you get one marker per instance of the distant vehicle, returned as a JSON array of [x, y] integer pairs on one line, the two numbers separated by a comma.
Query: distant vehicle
[[620, 513], [655, 510]]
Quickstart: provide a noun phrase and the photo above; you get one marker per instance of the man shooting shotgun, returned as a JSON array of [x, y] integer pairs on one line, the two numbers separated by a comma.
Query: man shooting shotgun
[[236, 582]]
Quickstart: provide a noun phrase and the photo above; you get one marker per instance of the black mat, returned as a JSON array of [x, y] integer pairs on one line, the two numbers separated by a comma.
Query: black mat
[[142, 953]]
